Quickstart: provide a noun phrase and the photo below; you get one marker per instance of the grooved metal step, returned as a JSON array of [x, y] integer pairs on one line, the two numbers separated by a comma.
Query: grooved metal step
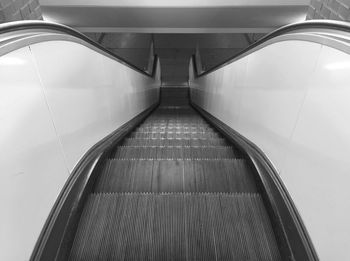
[[174, 190], [174, 125], [174, 142], [175, 110], [176, 176], [173, 129], [179, 121], [123, 152], [175, 135], [174, 227]]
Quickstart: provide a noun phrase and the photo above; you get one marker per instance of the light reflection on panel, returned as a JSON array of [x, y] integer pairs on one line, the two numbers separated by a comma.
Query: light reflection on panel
[[322, 147], [293, 102], [89, 95], [32, 167], [73, 81]]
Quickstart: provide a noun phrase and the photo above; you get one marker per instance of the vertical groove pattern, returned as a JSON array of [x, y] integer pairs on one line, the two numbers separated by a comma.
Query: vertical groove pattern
[[134, 226], [175, 190]]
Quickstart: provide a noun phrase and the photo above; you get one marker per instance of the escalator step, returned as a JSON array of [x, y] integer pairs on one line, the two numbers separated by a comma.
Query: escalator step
[[174, 142], [176, 176], [174, 129], [174, 125], [175, 190], [175, 110], [179, 121], [175, 135], [174, 227], [126, 152]]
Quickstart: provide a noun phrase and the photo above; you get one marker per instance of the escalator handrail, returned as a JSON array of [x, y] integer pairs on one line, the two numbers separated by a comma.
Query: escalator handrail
[[20, 26], [305, 25]]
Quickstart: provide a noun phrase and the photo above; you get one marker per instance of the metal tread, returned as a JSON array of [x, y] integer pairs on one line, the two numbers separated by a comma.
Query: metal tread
[[174, 227], [174, 135], [173, 152], [174, 190], [177, 146], [174, 142], [176, 176], [174, 129]]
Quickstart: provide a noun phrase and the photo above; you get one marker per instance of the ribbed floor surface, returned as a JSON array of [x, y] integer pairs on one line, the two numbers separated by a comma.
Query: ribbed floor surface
[[174, 227], [176, 176], [175, 190], [174, 142], [173, 152]]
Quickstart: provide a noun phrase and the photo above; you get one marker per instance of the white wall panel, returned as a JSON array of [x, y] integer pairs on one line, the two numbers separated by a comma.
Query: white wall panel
[[72, 76], [32, 168], [322, 148], [292, 99], [57, 99], [89, 95]]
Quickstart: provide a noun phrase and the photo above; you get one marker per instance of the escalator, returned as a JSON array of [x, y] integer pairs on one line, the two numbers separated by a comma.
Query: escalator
[[175, 189]]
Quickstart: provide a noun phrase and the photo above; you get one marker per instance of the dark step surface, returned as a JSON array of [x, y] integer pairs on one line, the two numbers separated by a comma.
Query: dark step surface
[[178, 122], [174, 129], [175, 135], [128, 152], [176, 176], [174, 142], [174, 97], [149, 123], [174, 227]]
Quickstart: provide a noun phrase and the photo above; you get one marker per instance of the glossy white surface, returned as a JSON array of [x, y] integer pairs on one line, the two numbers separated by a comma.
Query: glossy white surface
[[57, 99], [101, 93], [32, 168], [292, 100]]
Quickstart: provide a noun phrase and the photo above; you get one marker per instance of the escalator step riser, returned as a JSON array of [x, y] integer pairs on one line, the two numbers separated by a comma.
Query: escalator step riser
[[175, 116], [171, 109], [174, 102], [174, 227], [175, 121], [174, 129], [174, 153], [174, 135], [174, 142], [179, 132], [176, 176], [168, 116], [171, 125]]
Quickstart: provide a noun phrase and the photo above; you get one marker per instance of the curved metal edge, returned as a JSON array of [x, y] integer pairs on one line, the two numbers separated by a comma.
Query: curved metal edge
[[45, 27], [58, 233], [288, 29], [29, 39], [336, 42], [292, 237]]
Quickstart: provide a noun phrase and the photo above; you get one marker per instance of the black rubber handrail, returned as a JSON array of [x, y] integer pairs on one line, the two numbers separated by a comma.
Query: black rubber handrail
[[44, 25], [312, 24]]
